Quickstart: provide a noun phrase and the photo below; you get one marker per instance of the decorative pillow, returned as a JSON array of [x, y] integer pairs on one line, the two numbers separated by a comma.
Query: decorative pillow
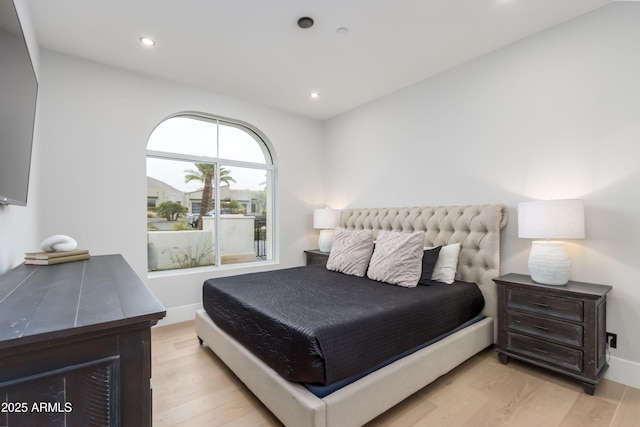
[[447, 265], [351, 251], [429, 260], [397, 258]]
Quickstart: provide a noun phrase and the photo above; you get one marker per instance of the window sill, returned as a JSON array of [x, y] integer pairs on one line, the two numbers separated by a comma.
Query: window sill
[[248, 267]]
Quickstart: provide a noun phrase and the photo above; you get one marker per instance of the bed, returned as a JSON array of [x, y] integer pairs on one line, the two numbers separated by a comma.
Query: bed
[[361, 398]]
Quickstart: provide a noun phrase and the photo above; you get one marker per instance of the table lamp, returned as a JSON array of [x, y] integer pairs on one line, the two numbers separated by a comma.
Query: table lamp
[[549, 262], [325, 220]]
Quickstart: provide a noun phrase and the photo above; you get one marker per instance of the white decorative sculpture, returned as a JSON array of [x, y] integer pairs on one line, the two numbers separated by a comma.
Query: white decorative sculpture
[[58, 242]]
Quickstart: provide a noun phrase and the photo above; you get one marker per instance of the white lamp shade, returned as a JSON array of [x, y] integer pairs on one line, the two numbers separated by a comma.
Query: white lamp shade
[[551, 219], [326, 218]]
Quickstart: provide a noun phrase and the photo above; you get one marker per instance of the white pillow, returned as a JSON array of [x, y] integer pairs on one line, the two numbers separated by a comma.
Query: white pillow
[[447, 265], [397, 258], [351, 251]]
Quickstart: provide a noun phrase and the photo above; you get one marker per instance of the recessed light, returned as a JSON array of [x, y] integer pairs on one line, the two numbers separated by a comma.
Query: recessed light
[[314, 95], [147, 41]]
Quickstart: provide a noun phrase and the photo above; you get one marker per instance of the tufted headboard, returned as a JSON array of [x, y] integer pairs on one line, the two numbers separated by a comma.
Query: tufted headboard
[[476, 227]]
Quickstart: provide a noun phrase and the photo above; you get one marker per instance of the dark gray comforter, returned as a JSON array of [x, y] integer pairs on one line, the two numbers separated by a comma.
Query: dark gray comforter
[[317, 326]]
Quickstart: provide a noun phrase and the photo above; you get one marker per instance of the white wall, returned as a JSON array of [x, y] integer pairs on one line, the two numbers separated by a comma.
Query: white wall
[[18, 224], [94, 124], [556, 115]]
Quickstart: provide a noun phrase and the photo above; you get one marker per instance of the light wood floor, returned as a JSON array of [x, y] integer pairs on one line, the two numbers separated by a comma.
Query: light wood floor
[[192, 387]]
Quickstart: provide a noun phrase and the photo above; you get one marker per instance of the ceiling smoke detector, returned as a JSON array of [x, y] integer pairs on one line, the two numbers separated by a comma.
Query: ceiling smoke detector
[[305, 22]]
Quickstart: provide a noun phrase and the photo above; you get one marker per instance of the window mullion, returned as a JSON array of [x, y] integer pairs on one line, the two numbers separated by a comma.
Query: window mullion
[[216, 190], [178, 156], [217, 222], [248, 165]]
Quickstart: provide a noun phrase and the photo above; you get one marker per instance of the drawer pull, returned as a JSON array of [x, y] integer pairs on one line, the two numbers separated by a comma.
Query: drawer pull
[[541, 351], [541, 304], [542, 328]]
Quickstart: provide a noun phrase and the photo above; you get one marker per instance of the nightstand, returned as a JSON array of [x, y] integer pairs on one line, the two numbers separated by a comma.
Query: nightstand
[[315, 256], [561, 328]]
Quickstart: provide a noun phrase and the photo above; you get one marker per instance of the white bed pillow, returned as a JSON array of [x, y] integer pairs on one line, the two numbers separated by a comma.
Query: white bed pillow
[[447, 264], [351, 251], [397, 258]]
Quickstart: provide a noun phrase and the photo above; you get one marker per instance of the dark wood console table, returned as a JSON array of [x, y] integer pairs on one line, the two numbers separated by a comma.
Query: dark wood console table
[[75, 345]]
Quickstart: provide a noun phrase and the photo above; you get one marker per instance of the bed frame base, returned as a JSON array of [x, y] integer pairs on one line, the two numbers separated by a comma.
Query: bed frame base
[[356, 403]]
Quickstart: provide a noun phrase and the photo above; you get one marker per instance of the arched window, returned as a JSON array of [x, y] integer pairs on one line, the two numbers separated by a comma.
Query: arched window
[[209, 185]]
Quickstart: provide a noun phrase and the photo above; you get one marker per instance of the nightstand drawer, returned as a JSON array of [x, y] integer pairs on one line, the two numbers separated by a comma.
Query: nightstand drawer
[[315, 257], [553, 354], [545, 328], [547, 305]]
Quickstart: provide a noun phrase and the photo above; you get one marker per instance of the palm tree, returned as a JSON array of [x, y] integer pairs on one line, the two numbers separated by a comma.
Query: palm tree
[[206, 173], [225, 176]]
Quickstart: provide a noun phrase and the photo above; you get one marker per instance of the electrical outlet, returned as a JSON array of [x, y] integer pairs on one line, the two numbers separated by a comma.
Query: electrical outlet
[[612, 340]]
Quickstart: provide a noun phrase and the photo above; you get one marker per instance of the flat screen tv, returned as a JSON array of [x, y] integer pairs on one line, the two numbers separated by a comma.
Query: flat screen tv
[[18, 93]]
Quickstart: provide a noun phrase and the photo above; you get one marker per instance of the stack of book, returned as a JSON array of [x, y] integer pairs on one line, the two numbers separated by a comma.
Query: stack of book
[[50, 258]]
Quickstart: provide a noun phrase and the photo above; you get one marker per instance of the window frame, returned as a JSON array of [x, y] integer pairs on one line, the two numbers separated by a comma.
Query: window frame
[[270, 187]]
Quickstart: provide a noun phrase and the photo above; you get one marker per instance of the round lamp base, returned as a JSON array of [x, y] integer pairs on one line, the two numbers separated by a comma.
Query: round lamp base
[[325, 241], [549, 263]]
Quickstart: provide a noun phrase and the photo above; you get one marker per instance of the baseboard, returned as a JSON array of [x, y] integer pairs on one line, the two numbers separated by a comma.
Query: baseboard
[[180, 314], [624, 372]]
